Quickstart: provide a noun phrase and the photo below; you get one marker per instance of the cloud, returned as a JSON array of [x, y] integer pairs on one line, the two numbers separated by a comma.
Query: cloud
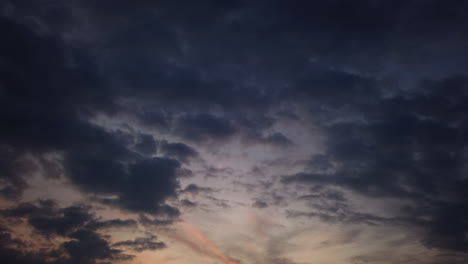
[[11, 250], [203, 127], [83, 244], [50, 113], [260, 204], [94, 159], [413, 153], [188, 203], [75, 225], [113, 224], [178, 151], [156, 221], [140, 244], [150, 183], [261, 223], [48, 219], [379, 80], [197, 241], [276, 139], [88, 247], [194, 189], [142, 186], [146, 144]]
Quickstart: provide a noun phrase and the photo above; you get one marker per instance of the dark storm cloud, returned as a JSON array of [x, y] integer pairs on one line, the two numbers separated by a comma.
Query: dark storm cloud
[[178, 151], [146, 144], [410, 146], [48, 111], [209, 72], [335, 89], [14, 167], [51, 119], [89, 247], [141, 186], [267, 35], [40, 114], [113, 224], [151, 182], [203, 127], [11, 250], [140, 244], [58, 90], [154, 118], [448, 227], [76, 223], [48, 219]]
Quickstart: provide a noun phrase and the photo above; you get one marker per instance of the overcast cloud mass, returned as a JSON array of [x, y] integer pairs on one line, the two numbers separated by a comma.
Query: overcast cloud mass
[[234, 132]]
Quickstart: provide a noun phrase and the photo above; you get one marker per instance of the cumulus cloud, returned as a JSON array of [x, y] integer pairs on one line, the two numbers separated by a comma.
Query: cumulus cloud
[[78, 228]]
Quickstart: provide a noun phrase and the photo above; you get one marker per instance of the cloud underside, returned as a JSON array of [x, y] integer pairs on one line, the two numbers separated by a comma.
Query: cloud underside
[[123, 110], [77, 225]]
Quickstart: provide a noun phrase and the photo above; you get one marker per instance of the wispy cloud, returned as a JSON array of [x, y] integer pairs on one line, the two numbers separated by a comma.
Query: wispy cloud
[[193, 238]]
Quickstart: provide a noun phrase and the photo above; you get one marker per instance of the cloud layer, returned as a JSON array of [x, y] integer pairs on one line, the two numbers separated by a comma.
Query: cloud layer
[[339, 113]]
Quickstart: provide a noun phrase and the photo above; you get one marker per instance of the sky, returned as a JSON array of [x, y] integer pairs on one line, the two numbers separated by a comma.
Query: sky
[[234, 132]]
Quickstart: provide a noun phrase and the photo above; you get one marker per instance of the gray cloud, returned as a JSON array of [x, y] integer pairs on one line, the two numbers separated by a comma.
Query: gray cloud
[[381, 80]]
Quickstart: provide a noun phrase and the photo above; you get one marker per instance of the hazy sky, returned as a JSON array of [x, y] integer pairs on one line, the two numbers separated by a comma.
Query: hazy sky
[[234, 132]]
